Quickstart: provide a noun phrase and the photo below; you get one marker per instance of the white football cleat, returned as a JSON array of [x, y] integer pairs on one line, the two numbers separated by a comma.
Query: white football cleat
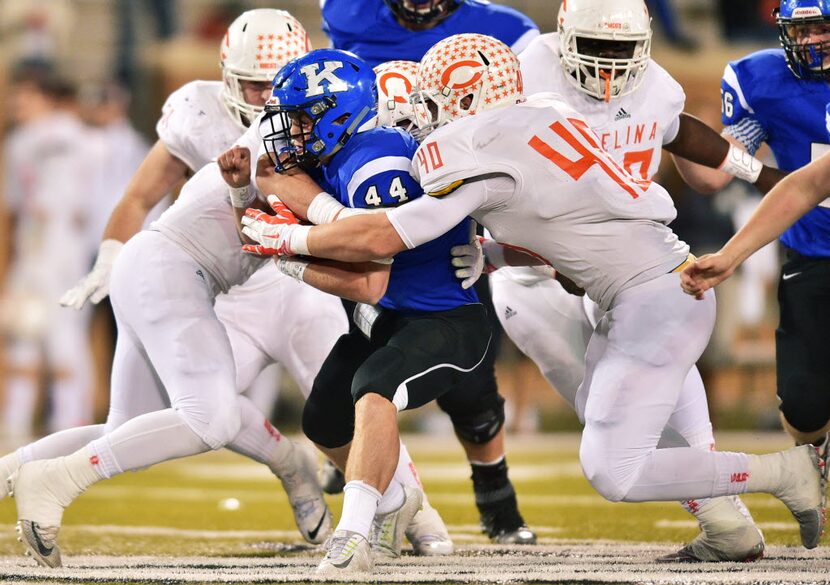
[[388, 529], [311, 513], [728, 533], [348, 552], [42, 490], [802, 480], [428, 534], [8, 466], [331, 479], [823, 452]]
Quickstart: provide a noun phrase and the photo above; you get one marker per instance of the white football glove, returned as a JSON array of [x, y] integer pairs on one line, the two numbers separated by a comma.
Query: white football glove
[[95, 285], [469, 262]]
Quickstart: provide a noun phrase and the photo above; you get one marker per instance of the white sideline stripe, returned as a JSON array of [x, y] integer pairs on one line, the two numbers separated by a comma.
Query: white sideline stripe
[[461, 531], [571, 561], [276, 495], [788, 526]]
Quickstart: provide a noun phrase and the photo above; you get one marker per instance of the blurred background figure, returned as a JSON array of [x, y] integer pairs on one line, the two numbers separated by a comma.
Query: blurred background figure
[[119, 150], [49, 169], [665, 14]]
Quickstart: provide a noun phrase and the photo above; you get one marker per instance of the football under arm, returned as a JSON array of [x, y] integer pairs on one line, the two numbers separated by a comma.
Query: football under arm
[[790, 199]]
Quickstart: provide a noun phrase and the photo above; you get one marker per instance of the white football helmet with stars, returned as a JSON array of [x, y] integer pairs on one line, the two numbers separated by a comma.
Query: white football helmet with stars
[[257, 44], [465, 74]]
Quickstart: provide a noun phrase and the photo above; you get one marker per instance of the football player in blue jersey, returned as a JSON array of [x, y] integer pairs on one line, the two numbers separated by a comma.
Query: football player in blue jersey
[[417, 331], [383, 30], [778, 96]]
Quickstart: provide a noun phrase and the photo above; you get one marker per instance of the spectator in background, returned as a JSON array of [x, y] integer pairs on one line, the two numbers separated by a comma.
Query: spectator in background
[[49, 165], [748, 20], [162, 11], [666, 15], [120, 149]]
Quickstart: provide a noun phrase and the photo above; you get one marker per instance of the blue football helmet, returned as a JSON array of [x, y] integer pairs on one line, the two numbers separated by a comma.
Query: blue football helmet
[[318, 102], [422, 11], [797, 19]]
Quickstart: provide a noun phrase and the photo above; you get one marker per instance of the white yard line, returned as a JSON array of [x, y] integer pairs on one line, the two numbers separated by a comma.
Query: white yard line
[[584, 561]]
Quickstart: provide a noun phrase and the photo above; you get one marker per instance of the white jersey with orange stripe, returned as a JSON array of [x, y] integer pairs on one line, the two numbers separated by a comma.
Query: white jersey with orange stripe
[[632, 128], [572, 203]]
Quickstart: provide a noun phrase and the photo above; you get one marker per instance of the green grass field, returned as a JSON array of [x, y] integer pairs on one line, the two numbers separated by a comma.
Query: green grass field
[[180, 508]]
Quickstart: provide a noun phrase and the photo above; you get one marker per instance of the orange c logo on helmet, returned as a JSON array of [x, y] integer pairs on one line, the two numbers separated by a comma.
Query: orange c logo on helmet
[[389, 75], [446, 78]]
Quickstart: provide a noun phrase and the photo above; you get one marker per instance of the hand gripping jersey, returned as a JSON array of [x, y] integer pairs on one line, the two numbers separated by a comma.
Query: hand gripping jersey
[[372, 171], [202, 223], [764, 102], [632, 128], [572, 204], [368, 29]]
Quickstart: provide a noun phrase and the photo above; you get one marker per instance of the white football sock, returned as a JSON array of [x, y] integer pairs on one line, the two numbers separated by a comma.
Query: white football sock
[[60, 443], [83, 468], [689, 474], [260, 441], [360, 503], [146, 440], [405, 472], [765, 472], [393, 498]]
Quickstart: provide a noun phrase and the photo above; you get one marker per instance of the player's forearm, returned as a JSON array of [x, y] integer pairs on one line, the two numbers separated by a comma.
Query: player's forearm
[[239, 213], [700, 175], [698, 143], [702, 179], [295, 191], [359, 282], [794, 196], [359, 238], [157, 175]]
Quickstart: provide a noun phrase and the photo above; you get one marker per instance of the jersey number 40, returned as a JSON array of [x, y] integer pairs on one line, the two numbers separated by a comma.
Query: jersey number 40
[[591, 154]]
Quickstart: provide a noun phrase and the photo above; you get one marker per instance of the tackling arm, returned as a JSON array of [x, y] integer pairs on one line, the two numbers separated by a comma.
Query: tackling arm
[[366, 237], [363, 282], [293, 187], [784, 205], [703, 156], [794, 196]]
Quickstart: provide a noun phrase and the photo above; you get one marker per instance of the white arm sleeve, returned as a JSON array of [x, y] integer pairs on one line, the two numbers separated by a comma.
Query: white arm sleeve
[[429, 217]]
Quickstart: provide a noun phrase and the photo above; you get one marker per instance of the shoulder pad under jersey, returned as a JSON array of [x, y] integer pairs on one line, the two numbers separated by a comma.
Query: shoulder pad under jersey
[[187, 116]]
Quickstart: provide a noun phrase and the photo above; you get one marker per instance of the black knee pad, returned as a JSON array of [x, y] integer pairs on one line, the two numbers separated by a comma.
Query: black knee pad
[[480, 423], [805, 403], [328, 416]]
